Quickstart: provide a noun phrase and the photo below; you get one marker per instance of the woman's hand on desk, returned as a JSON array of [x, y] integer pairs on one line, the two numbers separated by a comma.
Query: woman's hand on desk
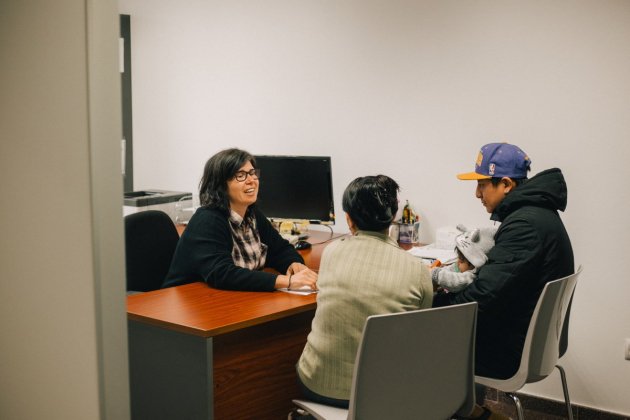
[[295, 279], [296, 267]]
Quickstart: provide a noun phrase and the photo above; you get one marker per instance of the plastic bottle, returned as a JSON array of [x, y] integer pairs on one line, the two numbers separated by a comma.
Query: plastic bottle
[[406, 213]]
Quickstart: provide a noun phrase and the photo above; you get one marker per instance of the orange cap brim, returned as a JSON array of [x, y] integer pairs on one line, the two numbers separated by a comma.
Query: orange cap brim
[[472, 176]]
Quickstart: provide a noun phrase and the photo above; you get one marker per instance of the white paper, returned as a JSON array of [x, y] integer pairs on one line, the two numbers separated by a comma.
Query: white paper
[[431, 252], [304, 290], [445, 237]]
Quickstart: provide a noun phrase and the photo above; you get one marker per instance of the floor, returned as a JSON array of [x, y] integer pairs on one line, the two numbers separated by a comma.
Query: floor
[[534, 409], [541, 409]]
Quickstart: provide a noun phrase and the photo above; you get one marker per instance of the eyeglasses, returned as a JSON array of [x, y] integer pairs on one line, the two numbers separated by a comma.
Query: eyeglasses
[[241, 176]]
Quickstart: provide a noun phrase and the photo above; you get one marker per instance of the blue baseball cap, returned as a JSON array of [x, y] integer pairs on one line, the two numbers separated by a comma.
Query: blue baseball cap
[[498, 160]]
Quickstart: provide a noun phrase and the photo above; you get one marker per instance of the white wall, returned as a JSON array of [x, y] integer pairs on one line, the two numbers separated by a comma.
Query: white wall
[[63, 346], [411, 89]]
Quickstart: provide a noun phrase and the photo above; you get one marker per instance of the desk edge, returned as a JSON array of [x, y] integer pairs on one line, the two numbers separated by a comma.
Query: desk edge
[[222, 329]]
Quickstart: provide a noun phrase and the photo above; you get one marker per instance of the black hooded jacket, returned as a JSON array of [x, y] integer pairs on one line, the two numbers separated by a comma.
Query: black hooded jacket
[[531, 248]]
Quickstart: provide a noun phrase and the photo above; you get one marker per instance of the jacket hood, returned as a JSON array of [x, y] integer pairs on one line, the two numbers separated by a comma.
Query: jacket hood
[[546, 189]]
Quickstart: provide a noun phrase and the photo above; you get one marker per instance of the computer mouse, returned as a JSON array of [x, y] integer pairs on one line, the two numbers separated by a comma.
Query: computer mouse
[[302, 245]]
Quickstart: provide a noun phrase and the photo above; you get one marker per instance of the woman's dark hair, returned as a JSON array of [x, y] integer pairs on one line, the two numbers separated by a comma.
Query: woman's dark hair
[[371, 202], [219, 169]]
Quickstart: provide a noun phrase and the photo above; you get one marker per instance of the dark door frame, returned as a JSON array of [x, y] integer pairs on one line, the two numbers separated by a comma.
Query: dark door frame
[[125, 76]]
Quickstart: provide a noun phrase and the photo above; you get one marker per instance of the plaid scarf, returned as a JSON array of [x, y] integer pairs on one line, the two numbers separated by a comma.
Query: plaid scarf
[[248, 251]]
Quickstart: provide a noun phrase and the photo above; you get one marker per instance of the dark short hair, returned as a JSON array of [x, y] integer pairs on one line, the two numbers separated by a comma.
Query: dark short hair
[[518, 181], [371, 202], [219, 169], [461, 256]]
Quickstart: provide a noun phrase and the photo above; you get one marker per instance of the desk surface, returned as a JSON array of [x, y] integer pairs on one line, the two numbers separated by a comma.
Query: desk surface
[[207, 312]]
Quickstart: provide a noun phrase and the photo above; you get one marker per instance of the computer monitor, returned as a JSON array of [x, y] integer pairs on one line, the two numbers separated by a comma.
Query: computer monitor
[[296, 188]]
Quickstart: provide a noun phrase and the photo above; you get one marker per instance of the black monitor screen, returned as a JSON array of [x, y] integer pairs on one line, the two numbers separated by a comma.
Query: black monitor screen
[[296, 188]]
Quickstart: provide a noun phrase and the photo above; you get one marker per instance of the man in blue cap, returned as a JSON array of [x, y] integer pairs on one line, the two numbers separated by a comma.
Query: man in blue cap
[[532, 247]]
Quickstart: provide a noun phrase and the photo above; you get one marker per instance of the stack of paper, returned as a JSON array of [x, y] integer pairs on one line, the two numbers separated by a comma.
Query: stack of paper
[[431, 252], [445, 237]]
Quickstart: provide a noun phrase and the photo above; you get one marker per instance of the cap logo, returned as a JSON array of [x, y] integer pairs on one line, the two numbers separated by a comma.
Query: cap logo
[[491, 169], [479, 158]]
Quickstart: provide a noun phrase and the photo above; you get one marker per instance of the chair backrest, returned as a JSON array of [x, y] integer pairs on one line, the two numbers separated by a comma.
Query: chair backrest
[[542, 342], [150, 241], [417, 364], [564, 336]]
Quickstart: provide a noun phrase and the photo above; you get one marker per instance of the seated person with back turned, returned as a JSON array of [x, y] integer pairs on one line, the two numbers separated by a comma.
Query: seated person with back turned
[[531, 248], [471, 247], [228, 241], [361, 275]]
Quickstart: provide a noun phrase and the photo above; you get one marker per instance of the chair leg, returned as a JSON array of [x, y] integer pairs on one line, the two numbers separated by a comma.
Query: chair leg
[[519, 407], [299, 414], [565, 389]]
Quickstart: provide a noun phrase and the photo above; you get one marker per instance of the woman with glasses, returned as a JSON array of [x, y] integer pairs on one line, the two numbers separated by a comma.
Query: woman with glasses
[[228, 241]]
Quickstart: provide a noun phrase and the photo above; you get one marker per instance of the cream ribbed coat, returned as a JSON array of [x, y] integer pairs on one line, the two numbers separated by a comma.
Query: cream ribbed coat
[[359, 276]]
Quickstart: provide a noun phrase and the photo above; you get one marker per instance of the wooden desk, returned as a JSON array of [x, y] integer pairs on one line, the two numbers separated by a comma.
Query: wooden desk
[[200, 353]]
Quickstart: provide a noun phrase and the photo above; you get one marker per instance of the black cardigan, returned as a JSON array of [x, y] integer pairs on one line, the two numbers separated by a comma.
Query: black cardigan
[[204, 253]]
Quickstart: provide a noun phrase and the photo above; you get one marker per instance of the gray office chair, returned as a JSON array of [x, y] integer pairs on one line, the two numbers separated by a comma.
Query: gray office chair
[[150, 241], [564, 345], [542, 342], [410, 365]]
